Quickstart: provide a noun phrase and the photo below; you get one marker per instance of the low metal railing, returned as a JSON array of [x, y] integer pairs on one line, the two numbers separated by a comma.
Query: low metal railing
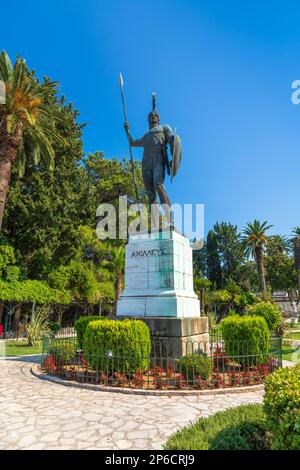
[[166, 365]]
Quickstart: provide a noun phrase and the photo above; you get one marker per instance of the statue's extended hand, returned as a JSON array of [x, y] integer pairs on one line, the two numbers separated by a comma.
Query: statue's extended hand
[[127, 126]]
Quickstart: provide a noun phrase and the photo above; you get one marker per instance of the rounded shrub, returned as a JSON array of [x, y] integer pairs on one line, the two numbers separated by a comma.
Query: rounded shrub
[[196, 365], [282, 408], [54, 326], [115, 345], [63, 351], [247, 339], [269, 311], [80, 327]]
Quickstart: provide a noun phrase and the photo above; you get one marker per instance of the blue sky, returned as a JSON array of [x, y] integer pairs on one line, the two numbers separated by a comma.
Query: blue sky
[[222, 72]]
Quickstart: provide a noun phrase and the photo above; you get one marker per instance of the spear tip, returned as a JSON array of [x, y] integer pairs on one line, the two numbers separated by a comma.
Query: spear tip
[[121, 79]]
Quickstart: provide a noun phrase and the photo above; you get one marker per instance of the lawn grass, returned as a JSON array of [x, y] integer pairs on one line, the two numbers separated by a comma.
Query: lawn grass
[[19, 348], [293, 335], [287, 353], [296, 326]]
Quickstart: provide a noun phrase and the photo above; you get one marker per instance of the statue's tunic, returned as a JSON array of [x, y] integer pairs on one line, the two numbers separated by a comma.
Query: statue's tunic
[[153, 164]]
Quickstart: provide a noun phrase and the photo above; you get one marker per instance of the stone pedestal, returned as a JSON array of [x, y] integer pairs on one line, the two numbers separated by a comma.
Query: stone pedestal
[[177, 337], [158, 277]]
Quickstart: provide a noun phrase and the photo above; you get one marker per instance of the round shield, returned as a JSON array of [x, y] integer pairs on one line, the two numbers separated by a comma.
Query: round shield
[[176, 152]]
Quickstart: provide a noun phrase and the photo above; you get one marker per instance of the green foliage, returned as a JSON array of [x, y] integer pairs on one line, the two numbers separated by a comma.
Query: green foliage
[[244, 299], [282, 408], [117, 345], [83, 281], [63, 351], [269, 311], [218, 297], [38, 326], [12, 273], [278, 244], [248, 276], [239, 428], [32, 291], [7, 257], [247, 339], [214, 271], [194, 365], [212, 319], [201, 283], [224, 255], [81, 325], [200, 261], [254, 236], [281, 272], [54, 326], [44, 228]]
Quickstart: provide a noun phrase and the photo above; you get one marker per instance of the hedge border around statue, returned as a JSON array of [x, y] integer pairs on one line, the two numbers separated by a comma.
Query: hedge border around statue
[[114, 345], [247, 339], [81, 325], [282, 408]]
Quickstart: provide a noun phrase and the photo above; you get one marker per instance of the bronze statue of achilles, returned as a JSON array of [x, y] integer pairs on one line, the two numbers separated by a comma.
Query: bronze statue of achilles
[[155, 161]]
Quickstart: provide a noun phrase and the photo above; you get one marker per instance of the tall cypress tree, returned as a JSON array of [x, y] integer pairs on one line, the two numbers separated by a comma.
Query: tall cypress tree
[[214, 272]]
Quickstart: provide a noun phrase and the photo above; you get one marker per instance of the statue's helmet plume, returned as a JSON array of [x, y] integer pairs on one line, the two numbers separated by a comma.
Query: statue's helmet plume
[[153, 115]]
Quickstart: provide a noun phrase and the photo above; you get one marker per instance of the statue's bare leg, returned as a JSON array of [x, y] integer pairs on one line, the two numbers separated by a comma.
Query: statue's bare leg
[[150, 190], [159, 178]]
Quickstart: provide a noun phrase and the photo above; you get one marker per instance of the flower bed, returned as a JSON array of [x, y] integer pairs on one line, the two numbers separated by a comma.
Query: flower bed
[[210, 370]]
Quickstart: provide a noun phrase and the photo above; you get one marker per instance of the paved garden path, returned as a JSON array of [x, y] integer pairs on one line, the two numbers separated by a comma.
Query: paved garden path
[[37, 414]]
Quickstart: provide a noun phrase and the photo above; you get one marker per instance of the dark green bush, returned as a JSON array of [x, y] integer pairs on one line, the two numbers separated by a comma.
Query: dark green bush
[[240, 428], [247, 339], [282, 408], [80, 327], [115, 345], [54, 326], [250, 435], [63, 350], [269, 311], [195, 365]]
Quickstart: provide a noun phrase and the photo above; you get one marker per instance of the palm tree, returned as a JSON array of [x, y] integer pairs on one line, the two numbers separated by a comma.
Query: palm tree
[[200, 285], [278, 244], [296, 250], [26, 121], [118, 265], [254, 239]]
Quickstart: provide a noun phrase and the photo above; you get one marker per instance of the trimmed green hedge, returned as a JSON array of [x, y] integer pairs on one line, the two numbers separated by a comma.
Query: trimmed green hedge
[[196, 365], [81, 325], [63, 351], [240, 428], [247, 339], [282, 407], [269, 311], [115, 345]]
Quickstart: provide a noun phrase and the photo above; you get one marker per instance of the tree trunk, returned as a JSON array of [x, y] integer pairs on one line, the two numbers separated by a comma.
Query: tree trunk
[[297, 261], [260, 267], [1, 312], [202, 303], [9, 145], [5, 171], [17, 318], [118, 287]]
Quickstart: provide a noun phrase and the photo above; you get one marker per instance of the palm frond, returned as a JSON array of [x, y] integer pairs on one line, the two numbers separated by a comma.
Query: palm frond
[[46, 149], [6, 68], [21, 160]]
